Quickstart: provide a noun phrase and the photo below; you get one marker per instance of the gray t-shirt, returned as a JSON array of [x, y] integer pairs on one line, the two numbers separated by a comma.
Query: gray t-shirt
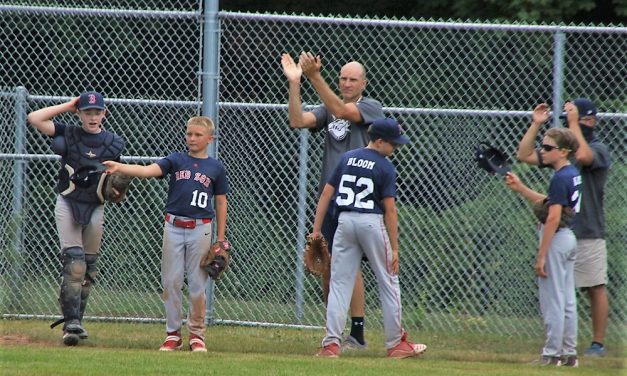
[[342, 135], [590, 221]]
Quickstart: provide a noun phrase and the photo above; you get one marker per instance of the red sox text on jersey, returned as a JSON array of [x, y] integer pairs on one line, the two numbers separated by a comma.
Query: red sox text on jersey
[[187, 174]]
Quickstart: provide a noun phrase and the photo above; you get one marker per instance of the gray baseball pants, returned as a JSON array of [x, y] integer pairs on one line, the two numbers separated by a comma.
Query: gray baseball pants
[[181, 253], [358, 234], [557, 295]]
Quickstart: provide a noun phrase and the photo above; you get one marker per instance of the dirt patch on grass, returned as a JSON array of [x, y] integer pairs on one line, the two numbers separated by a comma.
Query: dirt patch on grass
[[14, 339], [20, 339]]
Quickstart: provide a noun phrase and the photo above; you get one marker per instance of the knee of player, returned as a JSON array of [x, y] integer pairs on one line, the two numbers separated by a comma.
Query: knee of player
[[74, 266]]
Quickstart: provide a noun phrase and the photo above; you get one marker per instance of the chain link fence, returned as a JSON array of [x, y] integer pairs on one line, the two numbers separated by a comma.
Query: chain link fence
[[467, 243]]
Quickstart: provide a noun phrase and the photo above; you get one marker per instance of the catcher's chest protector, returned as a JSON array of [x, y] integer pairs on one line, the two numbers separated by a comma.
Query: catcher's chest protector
[[81, 152]]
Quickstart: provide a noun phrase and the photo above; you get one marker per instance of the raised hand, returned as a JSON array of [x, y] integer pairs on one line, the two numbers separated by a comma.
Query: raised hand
[[310, 64], [291, 70], [73, 103], [572, 112], [540, 113]]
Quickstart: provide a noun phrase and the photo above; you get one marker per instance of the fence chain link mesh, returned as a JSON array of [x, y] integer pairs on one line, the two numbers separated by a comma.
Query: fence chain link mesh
[[467, 243]]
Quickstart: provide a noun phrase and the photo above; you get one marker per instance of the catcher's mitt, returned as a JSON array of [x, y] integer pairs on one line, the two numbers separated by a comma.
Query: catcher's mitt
[[88, 175], [491, 159], [316, 256], [120, 182], [541, 211], [216, 260]]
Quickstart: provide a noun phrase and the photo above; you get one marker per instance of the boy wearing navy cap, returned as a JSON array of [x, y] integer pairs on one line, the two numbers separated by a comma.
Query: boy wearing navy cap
[[363, 186], [593, 161], [79, 210]]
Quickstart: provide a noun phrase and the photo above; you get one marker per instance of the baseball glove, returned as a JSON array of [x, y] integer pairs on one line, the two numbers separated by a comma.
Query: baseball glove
[[491, 159], [120, 182], [541, 211], [316, 256], [88, 175], [216, 260]]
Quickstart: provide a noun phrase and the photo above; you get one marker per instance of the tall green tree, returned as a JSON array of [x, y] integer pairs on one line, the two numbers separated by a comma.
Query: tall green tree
[[546, 11]]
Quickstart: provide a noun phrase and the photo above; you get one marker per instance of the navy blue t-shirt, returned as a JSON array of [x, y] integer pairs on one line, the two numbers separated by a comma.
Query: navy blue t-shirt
[[193, 184], [565, 188], [362, 179]]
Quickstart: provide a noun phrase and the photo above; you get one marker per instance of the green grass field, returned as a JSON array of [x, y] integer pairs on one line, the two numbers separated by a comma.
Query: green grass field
[[30, 347]]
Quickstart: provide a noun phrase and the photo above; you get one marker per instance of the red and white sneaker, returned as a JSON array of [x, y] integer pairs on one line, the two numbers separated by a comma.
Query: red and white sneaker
[[331, 350], [197, 344], [406, 349], [172, 342]]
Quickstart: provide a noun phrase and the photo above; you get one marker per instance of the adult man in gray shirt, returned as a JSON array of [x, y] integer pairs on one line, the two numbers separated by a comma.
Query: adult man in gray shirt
[[593, 160], [345, 122]]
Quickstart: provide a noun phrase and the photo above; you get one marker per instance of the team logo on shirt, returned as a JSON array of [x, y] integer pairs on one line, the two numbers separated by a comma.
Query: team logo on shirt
[[339, 128], [199, 177]]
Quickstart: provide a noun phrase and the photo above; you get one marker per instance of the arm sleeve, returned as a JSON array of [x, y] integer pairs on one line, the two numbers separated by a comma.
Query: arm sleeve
[[166, 166], [320, 113], [59, 128], [558, 193], [370, 110], [388, 188], [221, 184], [601, 156]]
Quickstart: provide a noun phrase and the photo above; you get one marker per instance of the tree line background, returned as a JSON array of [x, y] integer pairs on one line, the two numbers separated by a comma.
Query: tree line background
[[567, 11]]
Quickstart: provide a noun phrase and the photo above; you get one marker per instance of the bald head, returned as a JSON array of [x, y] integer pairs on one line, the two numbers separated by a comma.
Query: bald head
[[352, 81], [354, 68]]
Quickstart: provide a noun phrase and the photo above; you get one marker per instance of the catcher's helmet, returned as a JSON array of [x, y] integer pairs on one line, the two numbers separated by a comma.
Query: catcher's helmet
[[491, 159]]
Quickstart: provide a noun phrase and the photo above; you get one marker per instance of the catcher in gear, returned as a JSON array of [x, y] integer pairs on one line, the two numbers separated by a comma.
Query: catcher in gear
[[491, 159], [79, 211], [217, 259], [317, 260]]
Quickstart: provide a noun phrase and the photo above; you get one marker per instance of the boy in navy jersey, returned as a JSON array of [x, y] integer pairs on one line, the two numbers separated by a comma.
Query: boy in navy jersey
[[363, 186], [195, 180], [555, 260]]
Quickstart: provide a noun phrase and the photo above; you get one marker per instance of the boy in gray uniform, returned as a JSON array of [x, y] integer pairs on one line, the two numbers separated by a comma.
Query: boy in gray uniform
[[345, 122], [555, 260], [195, 181], [593, 161], [363, 186]]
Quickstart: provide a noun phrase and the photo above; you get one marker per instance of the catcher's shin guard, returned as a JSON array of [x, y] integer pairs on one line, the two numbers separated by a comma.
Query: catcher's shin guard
[[90, 279], [74, 268]]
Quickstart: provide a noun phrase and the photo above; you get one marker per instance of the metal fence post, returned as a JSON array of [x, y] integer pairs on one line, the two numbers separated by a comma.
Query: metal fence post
[[559, 40], [302, 214], [14, 227], [209, 100]]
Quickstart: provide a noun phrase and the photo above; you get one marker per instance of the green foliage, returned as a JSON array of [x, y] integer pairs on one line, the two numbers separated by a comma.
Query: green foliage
[[515, 10]]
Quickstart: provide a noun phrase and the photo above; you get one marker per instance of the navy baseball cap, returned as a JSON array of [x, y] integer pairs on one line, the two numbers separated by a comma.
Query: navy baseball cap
[[389, 130], [91, 99], [585, 107]]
